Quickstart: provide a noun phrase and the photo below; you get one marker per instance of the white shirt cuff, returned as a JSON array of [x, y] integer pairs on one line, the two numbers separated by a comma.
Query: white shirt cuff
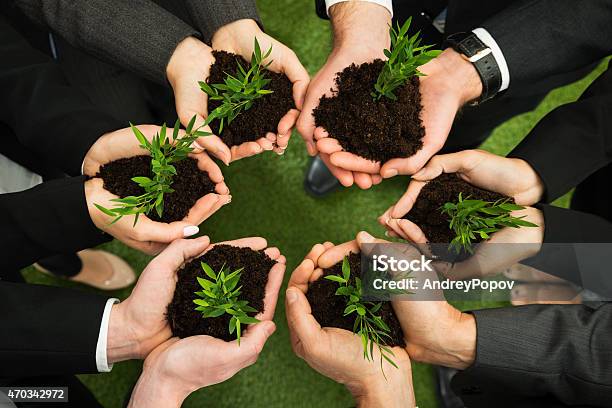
[[101, 358], [388, 4], [490, 42]]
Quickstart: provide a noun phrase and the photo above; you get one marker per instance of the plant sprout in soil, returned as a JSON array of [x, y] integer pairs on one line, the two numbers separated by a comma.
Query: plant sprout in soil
[[372, 330], [165, 151], [472, 219], [237, 93], [405, 55], [219, 295]]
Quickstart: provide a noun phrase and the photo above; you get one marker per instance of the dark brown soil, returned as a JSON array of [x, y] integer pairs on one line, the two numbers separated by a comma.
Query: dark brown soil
[[328, 308], [190, 184], [266, 112], [426, 212], [377, 130], [185, 321]]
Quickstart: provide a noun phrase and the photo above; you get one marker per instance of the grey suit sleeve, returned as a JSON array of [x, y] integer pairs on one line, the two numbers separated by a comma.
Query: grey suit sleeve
[[554, 37], [210, 15], [563, 350], [138, 35]]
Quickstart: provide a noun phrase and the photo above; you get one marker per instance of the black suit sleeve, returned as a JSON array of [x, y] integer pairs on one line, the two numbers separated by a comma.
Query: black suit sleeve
[[210, 15], [573, 141], [577, 247], [539, 350], [48, 219], [541, 39], [137, 35], [48, 116], [48, 330]]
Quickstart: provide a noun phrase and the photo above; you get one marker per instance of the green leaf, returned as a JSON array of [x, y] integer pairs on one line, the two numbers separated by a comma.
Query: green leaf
[[335, 278], [208, 270], [346, 269]]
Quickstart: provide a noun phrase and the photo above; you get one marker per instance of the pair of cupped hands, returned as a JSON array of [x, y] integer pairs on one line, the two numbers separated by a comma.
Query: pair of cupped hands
[[174, 368]]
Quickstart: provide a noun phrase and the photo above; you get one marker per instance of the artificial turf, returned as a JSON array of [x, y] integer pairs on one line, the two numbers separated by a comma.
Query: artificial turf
[[269, 201]]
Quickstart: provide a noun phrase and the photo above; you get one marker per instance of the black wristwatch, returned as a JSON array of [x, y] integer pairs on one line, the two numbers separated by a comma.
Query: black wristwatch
[[481, 56]]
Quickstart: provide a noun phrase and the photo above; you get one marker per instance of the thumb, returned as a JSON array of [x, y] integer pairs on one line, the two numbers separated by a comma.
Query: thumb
[[299, 318], [255, 337], [148, 230]]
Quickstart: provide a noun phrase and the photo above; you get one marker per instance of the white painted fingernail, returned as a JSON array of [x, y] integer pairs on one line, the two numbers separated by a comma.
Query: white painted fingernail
[[190, 230]]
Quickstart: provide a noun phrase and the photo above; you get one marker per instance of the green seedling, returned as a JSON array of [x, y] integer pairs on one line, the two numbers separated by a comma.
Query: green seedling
[[238, 93], [219, 295], [472, 219], [368, 325], [405, 56], [164, 151]]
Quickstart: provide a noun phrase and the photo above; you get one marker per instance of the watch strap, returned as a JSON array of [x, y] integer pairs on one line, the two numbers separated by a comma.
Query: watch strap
[[484, 62]]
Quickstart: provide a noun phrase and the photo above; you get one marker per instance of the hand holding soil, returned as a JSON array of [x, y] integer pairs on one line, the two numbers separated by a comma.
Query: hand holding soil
[[261, 278], [448, 82], [138, 324], [117, 157], [338, 353], [417, 217], [189, 64], [361, 33], [317, 138], [267, 125], [427, 323]]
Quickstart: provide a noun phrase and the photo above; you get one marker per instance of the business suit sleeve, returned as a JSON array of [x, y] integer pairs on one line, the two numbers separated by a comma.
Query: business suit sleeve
[[542, 39], [49, 219], [539, 350], [210, 15], [138, 35], [577, 247], [48, 330], [48, 116], [573, 141]]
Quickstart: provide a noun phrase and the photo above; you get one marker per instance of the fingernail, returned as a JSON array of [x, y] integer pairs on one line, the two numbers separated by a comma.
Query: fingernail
[[197, 145], [365, 237], [225, 158], [291, 296], [390, 173], [311, 149], [387, 234], [388, 221], [190, 230], [259, 149]]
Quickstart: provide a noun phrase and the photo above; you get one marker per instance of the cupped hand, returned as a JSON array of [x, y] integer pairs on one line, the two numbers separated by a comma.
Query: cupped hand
[[338, 353], [138, 324], [317, 139], [147, 236], [448, 82], [178, 367], [435, 332], [189, 64], [239, 37]]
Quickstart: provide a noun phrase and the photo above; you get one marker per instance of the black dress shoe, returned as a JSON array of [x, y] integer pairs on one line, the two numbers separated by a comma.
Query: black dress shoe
[[319, 180], [446, 396]]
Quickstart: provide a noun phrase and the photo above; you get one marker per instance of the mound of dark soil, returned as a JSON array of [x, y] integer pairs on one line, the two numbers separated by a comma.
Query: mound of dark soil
[[266, 112], [377, 130], [328, 308], [185, 321], [189, 185]]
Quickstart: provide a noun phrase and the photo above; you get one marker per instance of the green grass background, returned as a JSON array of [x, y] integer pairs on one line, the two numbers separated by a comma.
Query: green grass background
[[269, 201]]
